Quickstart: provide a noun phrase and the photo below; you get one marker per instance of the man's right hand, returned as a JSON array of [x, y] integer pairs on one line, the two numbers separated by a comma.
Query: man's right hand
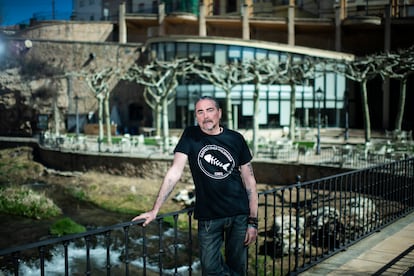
[[148, 217]]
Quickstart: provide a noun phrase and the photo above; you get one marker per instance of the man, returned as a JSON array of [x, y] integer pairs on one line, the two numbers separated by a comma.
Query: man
[[225, 186]]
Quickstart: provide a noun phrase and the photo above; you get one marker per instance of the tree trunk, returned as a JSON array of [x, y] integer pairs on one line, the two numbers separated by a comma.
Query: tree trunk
[[100, 121], [158, 119], [365, 108], [56, 117], [256, 101], [229, 110], [108, 119], [165, 126], [292, 111], [401, 104]]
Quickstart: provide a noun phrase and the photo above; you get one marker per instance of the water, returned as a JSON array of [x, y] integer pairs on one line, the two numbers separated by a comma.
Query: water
[[16, 230], [55, 262]]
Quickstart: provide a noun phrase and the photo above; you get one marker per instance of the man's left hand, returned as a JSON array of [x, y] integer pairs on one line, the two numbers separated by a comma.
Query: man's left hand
[[251, 235]]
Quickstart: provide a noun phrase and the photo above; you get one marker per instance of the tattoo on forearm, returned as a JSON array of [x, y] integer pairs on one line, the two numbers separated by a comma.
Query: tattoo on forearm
[[164, 196], [250, 168]]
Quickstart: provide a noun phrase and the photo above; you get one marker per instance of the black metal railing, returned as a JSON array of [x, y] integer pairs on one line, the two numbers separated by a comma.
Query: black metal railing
[[300, 225], [308, 222], [192, 6]]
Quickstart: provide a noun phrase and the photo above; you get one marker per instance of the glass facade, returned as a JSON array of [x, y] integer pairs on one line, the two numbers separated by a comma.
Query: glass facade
[[274, 99]]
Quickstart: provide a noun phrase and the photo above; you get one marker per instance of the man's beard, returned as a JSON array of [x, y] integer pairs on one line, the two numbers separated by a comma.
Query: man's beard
[[205, 125]]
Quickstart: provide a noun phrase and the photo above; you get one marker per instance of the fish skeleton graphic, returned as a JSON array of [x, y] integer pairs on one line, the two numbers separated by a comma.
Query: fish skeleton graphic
[[214, 161]]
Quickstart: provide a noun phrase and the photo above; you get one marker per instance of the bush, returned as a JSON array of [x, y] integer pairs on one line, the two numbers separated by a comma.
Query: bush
[[66, 226], [23, 201]]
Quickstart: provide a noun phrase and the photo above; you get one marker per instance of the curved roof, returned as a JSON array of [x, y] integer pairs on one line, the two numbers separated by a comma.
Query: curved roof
[[255, 44]]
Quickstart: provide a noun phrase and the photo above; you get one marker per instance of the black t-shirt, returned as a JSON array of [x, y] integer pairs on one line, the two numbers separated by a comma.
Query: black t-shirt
[[214, 162]]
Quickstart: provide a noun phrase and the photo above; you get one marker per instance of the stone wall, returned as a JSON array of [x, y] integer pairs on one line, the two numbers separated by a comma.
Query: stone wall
[[267, 172], [48, 76], [70, 31]]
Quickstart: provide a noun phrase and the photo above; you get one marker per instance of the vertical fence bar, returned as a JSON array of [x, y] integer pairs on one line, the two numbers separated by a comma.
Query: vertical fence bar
[[160, 246], [273, 231], [265, 241], [144, 250], [42, 260], [65, 248], [298, 226], [336, 224], [175, 244], [88, 259], [290, 229], [282, 223], [307, 203], [126, 246], [190, 244], [311, 221], [108, 251]]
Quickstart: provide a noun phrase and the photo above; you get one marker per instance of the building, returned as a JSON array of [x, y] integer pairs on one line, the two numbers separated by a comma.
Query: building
[[355, 27], [274, 99], [236, 29]]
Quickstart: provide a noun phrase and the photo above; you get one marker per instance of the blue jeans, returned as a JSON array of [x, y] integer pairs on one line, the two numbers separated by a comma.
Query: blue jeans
[[212, 234]]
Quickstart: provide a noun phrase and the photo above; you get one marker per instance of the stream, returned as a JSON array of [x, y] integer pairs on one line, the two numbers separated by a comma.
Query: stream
[[16, 231]]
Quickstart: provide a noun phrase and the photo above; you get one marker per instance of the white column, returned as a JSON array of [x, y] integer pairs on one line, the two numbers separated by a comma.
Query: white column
[[291, 23], [122, 24], [245, 19], [202, 29]]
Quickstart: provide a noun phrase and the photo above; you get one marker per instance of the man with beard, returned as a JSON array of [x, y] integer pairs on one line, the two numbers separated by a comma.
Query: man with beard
[[225, 186]]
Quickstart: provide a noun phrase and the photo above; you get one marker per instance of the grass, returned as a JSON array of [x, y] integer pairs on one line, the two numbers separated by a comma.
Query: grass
[[17, 166], [22, 201], [66, 226], [305, 144]]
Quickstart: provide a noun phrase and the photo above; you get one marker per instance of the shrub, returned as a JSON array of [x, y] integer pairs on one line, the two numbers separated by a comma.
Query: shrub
[[66, 226], [23, 201]]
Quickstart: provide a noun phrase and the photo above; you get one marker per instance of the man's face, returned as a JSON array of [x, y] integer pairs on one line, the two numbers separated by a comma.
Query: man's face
[[208, 116]]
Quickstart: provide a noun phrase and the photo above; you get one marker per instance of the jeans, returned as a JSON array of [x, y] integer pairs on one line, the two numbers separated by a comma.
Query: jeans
[[212, 234]]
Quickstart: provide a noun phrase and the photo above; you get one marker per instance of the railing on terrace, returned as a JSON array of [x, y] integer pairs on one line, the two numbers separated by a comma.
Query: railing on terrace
[[353, 156], [300, 225], [365, 8], [398, 11]]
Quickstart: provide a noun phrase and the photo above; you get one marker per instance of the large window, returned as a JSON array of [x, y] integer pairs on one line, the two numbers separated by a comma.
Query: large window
[[274, 99]]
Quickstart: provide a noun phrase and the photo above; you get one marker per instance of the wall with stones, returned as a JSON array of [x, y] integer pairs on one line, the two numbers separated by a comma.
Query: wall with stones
[[70, 31], [267, 172], [49, 76]]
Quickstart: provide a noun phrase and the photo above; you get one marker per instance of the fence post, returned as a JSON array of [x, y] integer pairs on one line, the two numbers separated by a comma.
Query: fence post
[[298, 185]]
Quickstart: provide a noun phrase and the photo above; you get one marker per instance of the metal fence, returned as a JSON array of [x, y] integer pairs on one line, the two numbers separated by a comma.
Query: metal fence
[[353, 156], [299, 226]]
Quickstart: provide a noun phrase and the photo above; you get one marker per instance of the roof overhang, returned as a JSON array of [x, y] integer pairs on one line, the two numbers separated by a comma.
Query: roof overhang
[[255, 44]]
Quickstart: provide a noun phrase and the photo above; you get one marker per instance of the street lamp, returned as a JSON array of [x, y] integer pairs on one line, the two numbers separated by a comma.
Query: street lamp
[[319, 96]]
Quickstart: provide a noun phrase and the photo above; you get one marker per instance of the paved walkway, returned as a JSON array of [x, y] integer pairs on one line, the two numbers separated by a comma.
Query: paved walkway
[[388, 252]]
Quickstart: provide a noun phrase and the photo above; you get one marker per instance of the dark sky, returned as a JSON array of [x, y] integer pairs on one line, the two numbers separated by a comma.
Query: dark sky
[[18, 11]]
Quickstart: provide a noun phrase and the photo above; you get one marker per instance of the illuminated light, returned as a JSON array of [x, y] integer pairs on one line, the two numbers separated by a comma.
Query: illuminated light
[[28, 44]]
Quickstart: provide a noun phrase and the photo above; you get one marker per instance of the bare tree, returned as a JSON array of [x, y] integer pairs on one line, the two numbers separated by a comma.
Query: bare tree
[[225, 76], [399, 65], [296, 72], [260, 72], [160, 81], [361, 70], [99, 82]]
